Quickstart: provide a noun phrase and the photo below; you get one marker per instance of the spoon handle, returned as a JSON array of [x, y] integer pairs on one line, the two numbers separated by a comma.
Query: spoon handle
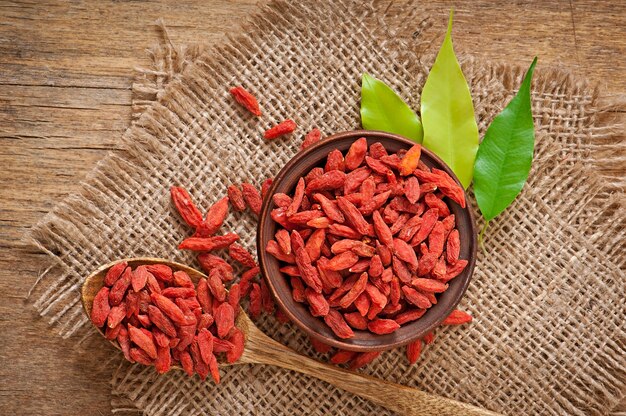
[[404, 400]]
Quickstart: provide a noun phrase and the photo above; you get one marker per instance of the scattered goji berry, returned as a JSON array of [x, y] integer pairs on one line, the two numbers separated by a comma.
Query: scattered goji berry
[[246, 99], [281, 129]]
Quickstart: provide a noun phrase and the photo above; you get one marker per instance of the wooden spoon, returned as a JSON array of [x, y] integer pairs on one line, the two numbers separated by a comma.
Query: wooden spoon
[[261, 349]]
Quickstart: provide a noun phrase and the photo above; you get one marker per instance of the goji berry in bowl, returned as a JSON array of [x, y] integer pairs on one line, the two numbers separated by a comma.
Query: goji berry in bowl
[[365, 240]]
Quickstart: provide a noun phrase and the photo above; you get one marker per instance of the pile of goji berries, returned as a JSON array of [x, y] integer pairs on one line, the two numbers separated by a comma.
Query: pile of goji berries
[[159, 317], [368, 241]]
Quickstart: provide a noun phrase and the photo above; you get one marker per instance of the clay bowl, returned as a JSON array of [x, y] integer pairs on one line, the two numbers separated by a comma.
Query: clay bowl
[[279, 285]]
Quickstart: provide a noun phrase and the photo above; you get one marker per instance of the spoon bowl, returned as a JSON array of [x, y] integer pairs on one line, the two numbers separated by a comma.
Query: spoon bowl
[[261, 349]]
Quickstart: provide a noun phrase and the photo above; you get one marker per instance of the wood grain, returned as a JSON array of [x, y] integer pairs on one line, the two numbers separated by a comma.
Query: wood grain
[[65, 79]]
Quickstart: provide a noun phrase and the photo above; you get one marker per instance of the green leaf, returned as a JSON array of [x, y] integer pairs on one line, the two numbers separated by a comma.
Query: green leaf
[[506, 153], [382, 109], [450, 128]]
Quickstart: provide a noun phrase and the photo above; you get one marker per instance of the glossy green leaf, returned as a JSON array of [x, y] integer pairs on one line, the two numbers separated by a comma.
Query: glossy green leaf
[[382, 109], [506, 153], [450, 128]]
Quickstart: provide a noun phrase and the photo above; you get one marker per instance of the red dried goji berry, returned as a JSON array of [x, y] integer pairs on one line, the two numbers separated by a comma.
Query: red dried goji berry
[[281, 129], [209, 243], [100, 307], [335, 161], [169, 308], [119, 288], [356, 320], [142, 341], [312, 137], [363, 359], [317, 303], [342, 356], [237, 339], [255, 301], [185, 206], [252, 197], [410, 315], [246, 279], [383, 326], [410, 160], [216, 286], [214, 218], [114, 273], [457, 317], [338, 325], [235, 196], [413, 351], [241, 255], [246, 99], [356, 154], [265, 187]]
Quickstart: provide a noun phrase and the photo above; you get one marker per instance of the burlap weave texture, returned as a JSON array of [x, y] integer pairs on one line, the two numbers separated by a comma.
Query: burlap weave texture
[[548, 294]]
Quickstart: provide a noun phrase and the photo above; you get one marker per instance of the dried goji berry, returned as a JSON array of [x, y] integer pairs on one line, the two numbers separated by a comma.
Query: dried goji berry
[[169, 308], [363, 359], [265, 187], [326, 182], [214, 218], [252, 197], [246, 279], [356, 320], [311, 137], [255, 301], [457, 317], [266, 299], [356, 154], [338, 325], [313, 245], [185, 206], [410, 315], [335, 161], [429, 285], [317, 303], [241, 255], [162, 272], [281, 129], [119, 288], [237, 339], [114, 273], [342, 356], [453, 247], [235, 196], [413, 351], [383, 326], [100, 307], [216, 286], [410, 160], [455, 269], [416, 298], [138, 355], [246, 99], [273, 248], [142, 341], [186, 362], [208, 243]]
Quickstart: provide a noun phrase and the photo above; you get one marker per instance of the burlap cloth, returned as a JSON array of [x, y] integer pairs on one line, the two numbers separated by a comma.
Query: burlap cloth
[[548, 294]]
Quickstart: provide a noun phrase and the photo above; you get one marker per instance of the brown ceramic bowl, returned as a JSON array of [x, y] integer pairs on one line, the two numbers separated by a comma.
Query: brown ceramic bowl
[[280, 287]]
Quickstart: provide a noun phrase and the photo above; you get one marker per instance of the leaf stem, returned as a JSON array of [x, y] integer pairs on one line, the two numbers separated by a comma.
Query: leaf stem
[[481, 235]]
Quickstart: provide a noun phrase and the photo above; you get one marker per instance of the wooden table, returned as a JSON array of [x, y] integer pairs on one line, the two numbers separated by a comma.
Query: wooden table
[[65, 78]]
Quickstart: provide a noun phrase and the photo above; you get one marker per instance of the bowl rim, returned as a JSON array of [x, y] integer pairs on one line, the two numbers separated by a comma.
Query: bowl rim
[[263, 256]]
